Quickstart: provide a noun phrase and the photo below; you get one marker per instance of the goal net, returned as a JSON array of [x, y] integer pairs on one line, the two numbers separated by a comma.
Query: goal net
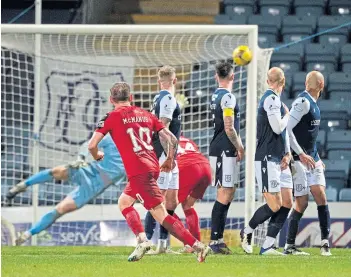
[[54, 94]]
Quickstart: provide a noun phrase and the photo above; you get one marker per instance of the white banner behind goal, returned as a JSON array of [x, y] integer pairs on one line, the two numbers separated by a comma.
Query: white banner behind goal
[[78, 66]]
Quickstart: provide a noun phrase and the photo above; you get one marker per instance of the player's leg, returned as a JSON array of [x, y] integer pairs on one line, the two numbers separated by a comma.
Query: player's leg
[[268, 179], [65, 206], [278, 219], [317, 187], [47, 175], [301, 203], [225, 171], [177, 229]]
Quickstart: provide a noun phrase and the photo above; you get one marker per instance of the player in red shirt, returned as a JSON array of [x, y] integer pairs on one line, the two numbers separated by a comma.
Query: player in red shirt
[[131, 129], [194, 178]]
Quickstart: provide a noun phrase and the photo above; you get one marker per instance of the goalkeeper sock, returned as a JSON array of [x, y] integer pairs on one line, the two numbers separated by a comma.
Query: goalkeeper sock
[[150, 225], [277, 221], [293, 226], [133, 220], [192, 221], [218, 219], [45, 222], [177, 230], [324, 221], [163, 230], [261, 215], [40, 177]]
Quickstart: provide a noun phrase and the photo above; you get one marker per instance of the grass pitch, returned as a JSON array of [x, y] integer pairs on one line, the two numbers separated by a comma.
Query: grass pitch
[[112, 261]]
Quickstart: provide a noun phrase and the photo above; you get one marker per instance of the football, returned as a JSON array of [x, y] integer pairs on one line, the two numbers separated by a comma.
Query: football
[[242, 55]]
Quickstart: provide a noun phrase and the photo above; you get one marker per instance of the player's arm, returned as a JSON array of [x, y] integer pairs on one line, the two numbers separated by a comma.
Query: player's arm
[[167, 106], [300, 107], [272, 105], [228, 103], [287, 157], [102, 129]]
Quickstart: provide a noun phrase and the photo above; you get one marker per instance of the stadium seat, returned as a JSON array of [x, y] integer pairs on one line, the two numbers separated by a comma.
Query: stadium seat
[[337, 165], [345, 194], [339, 7], [274, 7], [339, 82], [340, 155], [230, 19], [345, 58], [289, 58], [288, 84], [270, 26], [320, 57], [303, 7], [336, 173], [337, 37], [334, 114], [332, 194], [296, 27], [239, 7], [299, 79], [342, 96], [321, 142], [339, 140]]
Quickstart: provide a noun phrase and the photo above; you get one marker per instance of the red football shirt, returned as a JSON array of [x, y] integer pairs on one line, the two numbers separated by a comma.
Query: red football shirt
[[188, 153], [131, 129]]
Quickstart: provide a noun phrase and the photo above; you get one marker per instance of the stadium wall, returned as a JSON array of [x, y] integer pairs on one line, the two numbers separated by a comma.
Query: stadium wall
[[105, 225]]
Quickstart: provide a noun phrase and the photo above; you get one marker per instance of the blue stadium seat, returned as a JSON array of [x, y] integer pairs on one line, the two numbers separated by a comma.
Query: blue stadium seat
[[339, 140], [332, 194], [299, 79], [230, 19], [288, 84], [266, 40], [340, 155], [345, 57], [339, 7], [320, 57], [334, 114], [340, 82], [342, 96], [321, 142], [270, 26], [303, 7], [336, 172], [345, 194], [239, 7], [289, 58], [274, 7], [337, 37], [296, 27]]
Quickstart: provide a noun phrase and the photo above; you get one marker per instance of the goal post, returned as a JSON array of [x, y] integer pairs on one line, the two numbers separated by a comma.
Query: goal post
[[78, 65]]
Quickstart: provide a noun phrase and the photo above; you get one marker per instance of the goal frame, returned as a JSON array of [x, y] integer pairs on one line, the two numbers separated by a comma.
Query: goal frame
[[251, 96]]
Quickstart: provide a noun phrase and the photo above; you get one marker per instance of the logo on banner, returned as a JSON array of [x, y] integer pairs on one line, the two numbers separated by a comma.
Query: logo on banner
[[74, 103]]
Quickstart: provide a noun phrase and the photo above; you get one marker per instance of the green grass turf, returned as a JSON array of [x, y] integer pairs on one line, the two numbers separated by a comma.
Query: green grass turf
[[112, 261]]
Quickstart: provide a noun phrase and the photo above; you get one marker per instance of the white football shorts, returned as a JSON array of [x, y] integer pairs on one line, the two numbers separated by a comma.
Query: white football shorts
[[168, 180], [303, 178], [225, 171]]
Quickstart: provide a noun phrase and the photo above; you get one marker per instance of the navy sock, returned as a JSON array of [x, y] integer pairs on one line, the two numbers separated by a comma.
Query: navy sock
[[224, 220], [261, 215], [40, 177], [324, 221], [150, 225], [45, 222], [277, 221], [218, 219], [293, 226], [163, 230]]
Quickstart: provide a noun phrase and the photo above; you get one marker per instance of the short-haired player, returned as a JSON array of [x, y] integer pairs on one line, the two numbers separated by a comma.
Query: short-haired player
[[308, 168]]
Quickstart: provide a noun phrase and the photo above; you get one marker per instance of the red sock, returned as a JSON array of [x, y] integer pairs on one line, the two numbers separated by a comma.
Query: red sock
[[177, 229], [177, 218], [133, 219], [192, 220]]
